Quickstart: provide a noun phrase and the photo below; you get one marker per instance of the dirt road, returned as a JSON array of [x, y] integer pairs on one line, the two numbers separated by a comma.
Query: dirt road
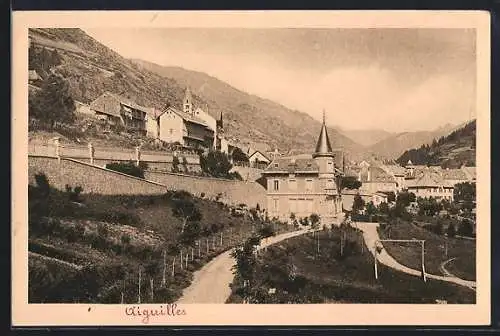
[[371, 235], [211, 283]]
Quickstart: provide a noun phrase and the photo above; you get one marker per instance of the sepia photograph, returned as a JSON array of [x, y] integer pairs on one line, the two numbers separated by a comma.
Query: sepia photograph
[[292, 165]]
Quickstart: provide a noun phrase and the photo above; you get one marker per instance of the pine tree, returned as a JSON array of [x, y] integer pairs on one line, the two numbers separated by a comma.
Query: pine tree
[[54, 103]]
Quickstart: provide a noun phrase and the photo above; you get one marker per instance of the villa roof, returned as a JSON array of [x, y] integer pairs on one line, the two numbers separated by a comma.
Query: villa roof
[[323, 146], [429, 179], [187, 117], [287, 165], [454, 174], [377, 174], [396, 170]]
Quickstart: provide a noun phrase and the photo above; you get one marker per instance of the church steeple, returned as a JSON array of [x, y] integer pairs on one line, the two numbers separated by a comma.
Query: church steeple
[[323, 146], [188, 102]]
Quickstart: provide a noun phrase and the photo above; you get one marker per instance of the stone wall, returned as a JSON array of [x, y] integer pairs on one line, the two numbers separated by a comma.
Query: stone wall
[[92, 179], [95, 179], [230, 191]]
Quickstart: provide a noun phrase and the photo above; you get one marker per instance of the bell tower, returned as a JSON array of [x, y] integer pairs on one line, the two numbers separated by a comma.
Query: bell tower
[[187, 104]]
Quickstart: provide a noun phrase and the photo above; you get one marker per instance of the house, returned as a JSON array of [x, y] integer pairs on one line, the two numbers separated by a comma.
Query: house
[[83, 108], [374, 179], [306, 185], [431, 184], [348, 198], [188, 127], [379, 197], [398, 173], [454, 176], [118, 110], [258, 159]]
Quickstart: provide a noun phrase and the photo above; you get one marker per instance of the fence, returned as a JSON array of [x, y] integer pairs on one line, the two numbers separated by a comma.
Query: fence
[[157, 160]]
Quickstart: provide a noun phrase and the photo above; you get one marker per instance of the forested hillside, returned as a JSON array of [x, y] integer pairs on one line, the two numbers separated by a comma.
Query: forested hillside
[[451, 151]]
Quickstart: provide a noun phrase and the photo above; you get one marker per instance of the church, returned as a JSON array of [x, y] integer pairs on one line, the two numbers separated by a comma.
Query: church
[[305, 186]]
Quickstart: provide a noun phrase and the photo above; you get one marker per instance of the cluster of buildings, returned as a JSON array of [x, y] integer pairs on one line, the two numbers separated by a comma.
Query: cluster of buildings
[[378, 179], [188, 127]]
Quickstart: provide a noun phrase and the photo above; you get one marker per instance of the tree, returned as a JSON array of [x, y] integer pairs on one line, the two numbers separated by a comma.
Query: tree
[[128, 168], [54, 102], [349, 182], [391, 196], [175, 164], [405, 198], [185, 209], [216, 164], [371, 209], [314, 218], [383, 208], [238, 155], [451, 231], [358, 204], [465, 228], [465, 192]]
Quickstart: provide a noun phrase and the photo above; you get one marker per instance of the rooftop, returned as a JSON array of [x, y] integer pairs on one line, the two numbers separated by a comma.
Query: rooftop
[[287, 165]]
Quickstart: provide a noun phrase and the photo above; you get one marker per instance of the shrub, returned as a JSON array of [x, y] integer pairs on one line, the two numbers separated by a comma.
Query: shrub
[[74, 194], [266, 231], [125, 239], [451, 231], [42, 184], [128, 168], [465, 228]]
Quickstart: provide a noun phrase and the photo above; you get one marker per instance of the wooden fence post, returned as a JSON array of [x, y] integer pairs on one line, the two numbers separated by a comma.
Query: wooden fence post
[[139, 296], [152, 289]]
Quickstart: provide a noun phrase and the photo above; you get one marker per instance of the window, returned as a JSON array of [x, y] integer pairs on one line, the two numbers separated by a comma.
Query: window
[[276, 204], [309, 185], [292, 184], [309, 205], [276, 184], [293, 205], [276, 165]]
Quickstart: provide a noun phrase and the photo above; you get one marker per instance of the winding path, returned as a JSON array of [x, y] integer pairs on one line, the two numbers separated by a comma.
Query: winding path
[[370, 234], [211, 283]]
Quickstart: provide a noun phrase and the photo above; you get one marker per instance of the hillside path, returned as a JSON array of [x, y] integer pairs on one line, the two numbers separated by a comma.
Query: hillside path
[[211, 283], [370, 235]]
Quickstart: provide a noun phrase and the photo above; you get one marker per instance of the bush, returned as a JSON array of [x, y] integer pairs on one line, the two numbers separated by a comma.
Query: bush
[[451, 231], [74, 194], [266, 231], [465, 228], [128, 168]]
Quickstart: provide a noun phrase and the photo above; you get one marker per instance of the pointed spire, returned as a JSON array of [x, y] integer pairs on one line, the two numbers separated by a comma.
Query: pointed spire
[[323, 146]]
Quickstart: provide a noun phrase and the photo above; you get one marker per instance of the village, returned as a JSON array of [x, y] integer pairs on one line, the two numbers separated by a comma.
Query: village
[[153, 204]]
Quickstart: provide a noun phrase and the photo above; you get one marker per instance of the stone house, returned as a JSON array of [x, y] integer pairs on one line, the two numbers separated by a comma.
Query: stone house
[[305, 186], [118, 110]]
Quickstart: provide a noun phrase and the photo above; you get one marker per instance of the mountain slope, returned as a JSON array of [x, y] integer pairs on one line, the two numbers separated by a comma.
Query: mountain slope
[[92, 68], [452, 151], [251, 118], [393, 146]]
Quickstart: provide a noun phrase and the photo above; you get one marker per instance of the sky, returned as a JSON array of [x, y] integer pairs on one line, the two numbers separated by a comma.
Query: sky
[[390, 79]]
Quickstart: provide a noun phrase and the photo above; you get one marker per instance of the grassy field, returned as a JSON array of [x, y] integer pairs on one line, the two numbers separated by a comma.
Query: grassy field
[[464, 250], [302, 275], [92, 250]]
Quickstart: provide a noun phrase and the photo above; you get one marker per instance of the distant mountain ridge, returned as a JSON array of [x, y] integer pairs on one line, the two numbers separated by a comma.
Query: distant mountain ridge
[[393, 146], [451, 151]]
